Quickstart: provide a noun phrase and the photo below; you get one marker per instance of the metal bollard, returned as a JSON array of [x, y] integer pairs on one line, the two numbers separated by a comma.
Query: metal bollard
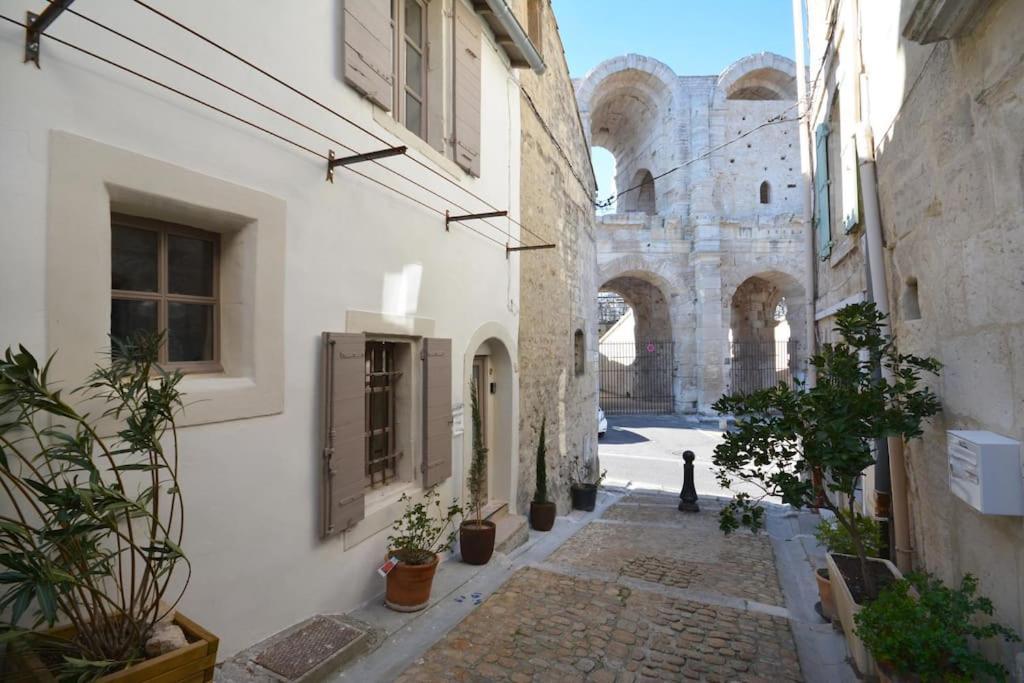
[[688, 496]]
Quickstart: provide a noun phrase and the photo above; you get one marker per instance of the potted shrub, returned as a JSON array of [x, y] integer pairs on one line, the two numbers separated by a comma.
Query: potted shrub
[[424, 531], [476, 535], [836, 539], [582, 490], [91, 534], [920, 630], [542, 511], [783, 436]]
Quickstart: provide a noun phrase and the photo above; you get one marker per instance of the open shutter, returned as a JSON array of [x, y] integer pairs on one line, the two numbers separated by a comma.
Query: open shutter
[[368, 60], [823, 232], [851, 184], [437, 411], [344, 430], [466, 105]]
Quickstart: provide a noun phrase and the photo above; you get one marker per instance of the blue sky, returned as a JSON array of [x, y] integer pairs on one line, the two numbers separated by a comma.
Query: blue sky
[[697, 37]]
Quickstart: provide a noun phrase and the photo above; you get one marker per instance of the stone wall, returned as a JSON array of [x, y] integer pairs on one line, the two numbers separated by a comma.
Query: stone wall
[[558, 292]]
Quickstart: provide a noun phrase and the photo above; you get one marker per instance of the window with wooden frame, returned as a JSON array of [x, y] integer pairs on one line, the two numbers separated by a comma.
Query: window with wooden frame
[[164, 278], [409, 31], [382, 377]]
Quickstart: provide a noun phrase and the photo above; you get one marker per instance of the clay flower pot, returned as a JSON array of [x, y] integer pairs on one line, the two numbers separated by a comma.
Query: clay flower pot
[[828, 603], [542, 516], [408, 586], [584, 497], [476, 541]]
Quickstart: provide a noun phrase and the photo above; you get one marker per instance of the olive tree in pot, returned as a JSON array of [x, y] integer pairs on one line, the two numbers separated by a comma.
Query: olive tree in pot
[[542, 511], [424, 531], [783, 436], [476, 535], [91, 531], [583, 483]]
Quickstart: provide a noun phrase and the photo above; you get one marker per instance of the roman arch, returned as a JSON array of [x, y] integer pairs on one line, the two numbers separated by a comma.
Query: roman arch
[[706, 245]]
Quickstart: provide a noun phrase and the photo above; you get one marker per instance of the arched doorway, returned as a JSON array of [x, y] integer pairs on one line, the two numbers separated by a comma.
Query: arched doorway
[[490, 370]]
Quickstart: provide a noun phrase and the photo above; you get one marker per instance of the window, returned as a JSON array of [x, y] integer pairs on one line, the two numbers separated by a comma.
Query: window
[[164, 279], [382, 377], [534, 23], [580, 352], [409, 29], [766, 193]]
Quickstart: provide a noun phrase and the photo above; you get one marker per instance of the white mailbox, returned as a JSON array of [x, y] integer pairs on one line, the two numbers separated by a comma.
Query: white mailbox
[[985, 472]]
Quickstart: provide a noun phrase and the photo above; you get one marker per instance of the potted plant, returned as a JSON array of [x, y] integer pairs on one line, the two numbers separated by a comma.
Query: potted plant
[[581, 489], [476, 535], [424, 531], [542, 511], [783, 436], [921, 630], [836, 539], [92, 531]]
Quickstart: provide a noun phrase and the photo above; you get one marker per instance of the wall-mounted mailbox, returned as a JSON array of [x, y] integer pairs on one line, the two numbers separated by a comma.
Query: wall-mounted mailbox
[[985, 472]]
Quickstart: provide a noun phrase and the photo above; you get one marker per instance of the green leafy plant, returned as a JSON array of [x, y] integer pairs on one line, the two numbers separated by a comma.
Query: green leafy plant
[[836, 537], [540, 494], [477, 479], [920, 627], [425, 529], [92, 531], [782, 436]]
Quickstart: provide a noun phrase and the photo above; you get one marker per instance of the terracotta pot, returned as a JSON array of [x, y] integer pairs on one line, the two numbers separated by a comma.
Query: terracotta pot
[[476, 541], [584, 497], [828, 604], [542, 516], [846, 608], [194, 662], [409, 585]]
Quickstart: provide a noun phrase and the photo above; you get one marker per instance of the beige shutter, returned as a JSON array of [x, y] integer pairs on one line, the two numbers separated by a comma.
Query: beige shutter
[[368, 58], [437, 410], [467, 88], [344, 430]]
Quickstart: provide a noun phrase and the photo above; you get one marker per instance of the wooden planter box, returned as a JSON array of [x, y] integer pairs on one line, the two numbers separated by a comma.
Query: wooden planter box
[[193, 663], [846, 608]]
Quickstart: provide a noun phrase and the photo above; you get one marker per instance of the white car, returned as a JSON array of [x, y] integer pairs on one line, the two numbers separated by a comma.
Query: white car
[[602, 423]]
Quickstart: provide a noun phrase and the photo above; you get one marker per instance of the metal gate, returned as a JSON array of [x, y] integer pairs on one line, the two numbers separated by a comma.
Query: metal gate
[[759, 365], [637, 377]]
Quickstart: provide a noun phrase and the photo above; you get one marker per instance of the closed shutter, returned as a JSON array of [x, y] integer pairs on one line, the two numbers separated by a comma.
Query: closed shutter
[[368, 57], [344, 430], [437, 411], [823, 231], [466, 105], [851, 184]]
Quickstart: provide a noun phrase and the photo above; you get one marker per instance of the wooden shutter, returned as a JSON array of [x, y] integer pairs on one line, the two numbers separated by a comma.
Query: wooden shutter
[[466, 105], [851, 184], [823, 232], [437, 410], [344, 430], [369, 47]]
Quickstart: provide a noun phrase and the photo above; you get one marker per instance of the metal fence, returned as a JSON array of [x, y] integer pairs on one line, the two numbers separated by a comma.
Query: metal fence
[[637, 377], [759, 365]]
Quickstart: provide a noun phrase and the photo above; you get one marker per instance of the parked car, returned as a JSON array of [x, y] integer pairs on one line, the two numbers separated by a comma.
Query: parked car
[[602, 423]]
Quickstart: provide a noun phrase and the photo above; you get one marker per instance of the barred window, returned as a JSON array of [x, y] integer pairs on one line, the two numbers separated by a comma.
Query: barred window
[[382, 376]]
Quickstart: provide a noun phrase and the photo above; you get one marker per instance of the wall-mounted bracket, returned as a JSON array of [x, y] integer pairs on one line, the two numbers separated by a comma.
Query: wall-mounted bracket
[[534, 247], [449, 219], [35, 24], [333, 162]]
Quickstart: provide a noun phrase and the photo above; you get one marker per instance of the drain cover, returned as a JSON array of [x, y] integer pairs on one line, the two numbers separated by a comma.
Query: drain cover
[[301, 652]]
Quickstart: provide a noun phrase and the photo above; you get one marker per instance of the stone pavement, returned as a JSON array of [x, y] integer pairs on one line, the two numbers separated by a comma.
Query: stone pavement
[[643, 593]]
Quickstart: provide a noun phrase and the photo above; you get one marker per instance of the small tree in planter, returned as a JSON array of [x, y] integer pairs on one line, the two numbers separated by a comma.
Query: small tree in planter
[[918, 629], [92, 533], [583, 483], [476, 535], [837, 539], [542, 511], [425, 530]]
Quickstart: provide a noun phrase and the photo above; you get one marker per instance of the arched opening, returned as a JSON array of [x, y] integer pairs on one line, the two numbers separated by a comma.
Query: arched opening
[[603, 162], [490, 371], [641, 193], [766, 193], [579, 348], [766, 321], [762, 84]]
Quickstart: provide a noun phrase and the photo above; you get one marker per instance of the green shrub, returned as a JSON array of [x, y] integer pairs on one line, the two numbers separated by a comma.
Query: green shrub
[[920, 627], [836, 536], [424, 529]]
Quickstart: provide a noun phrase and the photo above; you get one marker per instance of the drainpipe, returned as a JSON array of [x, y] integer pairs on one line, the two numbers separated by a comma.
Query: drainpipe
[[803, 109], [517, 34]]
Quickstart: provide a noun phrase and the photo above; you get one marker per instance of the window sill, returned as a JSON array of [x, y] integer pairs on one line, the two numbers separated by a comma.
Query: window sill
[[415, 142]]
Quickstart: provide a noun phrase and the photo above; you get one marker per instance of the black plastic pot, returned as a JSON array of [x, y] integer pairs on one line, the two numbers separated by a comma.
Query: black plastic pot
[[476, 542], [584, 496], [542, 516]]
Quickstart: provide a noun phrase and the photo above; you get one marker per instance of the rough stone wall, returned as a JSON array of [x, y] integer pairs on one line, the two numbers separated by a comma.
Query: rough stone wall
[[557, 286]]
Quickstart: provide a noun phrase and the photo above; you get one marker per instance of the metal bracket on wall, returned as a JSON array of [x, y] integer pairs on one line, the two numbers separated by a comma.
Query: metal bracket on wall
[[333, 162], [449, 219], [35, 24], [509, 249]]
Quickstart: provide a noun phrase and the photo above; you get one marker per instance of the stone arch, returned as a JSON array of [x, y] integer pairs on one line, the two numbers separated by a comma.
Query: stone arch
[[761, 76], [643, 198]]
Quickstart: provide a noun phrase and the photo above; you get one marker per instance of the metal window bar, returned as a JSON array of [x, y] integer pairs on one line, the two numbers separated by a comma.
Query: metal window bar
[[381, 441], [760, 365]]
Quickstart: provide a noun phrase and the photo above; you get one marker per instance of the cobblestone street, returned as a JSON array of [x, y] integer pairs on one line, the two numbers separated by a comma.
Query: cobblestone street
[[643, 593]]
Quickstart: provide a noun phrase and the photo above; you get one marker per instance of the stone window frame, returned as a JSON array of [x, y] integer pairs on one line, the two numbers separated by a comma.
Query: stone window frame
[[89, 181]]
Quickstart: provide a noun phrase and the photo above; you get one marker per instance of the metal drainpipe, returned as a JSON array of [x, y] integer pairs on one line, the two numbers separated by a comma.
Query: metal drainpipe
[[803, 110], [517, 34]]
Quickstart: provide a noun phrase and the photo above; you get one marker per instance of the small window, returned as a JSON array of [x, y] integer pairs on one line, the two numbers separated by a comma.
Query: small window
[[409, 30], [382, 377], [766, 193], [164, 279], [580, 352], [535, 22]]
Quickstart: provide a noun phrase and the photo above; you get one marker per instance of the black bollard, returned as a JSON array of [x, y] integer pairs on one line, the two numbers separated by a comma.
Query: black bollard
[[688, 496]]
